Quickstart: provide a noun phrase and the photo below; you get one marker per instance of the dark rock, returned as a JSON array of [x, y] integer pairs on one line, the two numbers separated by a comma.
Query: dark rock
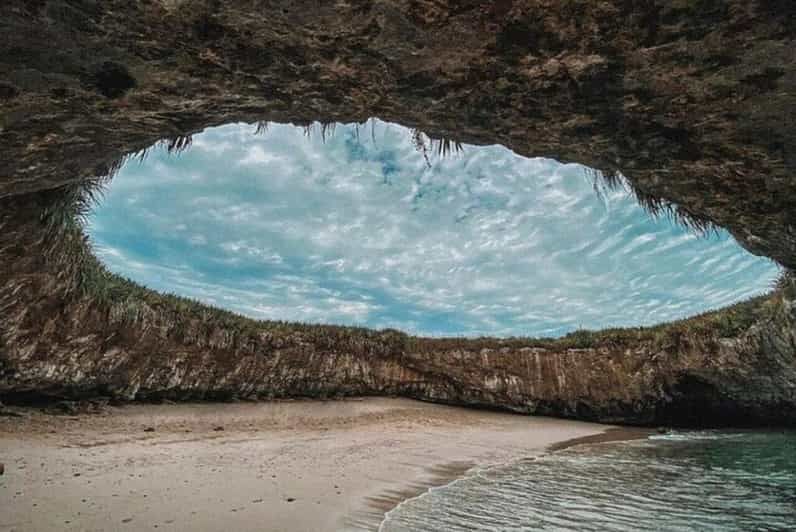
[[66, 408], [112, 79], [149, 429], [695, 107], [218, 429], [61, 92], [8, 91], [2, 468], [99, 403], [608, 95]]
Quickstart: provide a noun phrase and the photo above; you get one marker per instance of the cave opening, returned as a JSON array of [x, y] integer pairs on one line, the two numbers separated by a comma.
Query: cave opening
[[132, 274], [380, 226]]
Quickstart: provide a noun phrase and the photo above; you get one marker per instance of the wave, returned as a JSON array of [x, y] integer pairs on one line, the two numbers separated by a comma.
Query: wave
[[680, 481]]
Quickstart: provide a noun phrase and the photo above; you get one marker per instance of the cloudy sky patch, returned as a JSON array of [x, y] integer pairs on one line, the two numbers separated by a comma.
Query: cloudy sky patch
[[352, 231]]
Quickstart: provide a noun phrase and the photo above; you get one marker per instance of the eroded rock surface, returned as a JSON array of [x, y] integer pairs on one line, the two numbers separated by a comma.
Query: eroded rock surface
[[694, 101], [67, 335]]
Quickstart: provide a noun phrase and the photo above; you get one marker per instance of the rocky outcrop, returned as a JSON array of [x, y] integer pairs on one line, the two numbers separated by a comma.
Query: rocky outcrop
[[68, 335], [693, 101]]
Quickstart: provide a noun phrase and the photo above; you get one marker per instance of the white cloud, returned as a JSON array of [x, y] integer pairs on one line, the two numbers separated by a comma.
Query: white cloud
[[486, 242]]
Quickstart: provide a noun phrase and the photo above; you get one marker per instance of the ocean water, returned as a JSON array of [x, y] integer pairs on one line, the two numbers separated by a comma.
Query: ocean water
[[707, 480]]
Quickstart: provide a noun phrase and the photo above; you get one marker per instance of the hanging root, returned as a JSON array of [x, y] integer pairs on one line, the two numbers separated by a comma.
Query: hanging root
[[445, 147], [426, 144], [177, 144], [655, 206], [419, 141]]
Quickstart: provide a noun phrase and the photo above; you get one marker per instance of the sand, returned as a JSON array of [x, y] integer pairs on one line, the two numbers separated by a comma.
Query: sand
[[282, 466]]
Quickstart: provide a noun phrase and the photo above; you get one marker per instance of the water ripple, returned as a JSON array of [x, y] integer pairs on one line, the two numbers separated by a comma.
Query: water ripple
[[705, 480]]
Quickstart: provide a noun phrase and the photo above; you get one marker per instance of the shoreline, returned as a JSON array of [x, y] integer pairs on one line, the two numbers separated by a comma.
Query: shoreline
[[609, 435], [293, 465]]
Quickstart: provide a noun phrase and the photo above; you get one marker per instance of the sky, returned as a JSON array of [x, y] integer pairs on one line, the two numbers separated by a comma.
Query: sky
[[358, 230]]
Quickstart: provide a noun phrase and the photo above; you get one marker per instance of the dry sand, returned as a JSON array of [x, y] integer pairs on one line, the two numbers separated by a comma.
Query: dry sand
[[284, 466]]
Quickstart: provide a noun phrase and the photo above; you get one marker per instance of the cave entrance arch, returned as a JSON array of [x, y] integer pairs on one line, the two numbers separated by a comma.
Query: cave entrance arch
[[645, 88], [378, 226]]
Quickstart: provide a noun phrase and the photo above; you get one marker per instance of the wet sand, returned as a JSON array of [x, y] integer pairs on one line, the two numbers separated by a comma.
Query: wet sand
[[282, 466]]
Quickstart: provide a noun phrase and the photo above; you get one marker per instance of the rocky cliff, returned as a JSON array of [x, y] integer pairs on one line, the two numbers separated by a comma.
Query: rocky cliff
[[73, 330], [693, 101]]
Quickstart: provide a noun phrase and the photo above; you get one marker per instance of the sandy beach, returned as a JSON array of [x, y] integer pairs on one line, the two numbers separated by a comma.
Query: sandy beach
[[281, 466]]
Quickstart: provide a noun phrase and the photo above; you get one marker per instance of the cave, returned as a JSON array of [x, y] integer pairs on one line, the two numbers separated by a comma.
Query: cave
[[646, 90]]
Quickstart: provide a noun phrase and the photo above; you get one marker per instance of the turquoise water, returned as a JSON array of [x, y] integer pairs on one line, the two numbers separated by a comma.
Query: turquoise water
[[707, 480]]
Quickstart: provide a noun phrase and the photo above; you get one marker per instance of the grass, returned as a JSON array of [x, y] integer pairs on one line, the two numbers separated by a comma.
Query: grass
[[425, 145], [133, 304], [130, 303], [173, 145], [177, 144], [654, 206], [727, 322]]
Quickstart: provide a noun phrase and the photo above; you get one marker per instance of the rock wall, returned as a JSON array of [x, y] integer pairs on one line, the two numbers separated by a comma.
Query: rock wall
[[693, 100], [61, 340]]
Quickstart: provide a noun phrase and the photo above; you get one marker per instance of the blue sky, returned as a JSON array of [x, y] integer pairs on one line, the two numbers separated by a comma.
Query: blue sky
[[352, 231]]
